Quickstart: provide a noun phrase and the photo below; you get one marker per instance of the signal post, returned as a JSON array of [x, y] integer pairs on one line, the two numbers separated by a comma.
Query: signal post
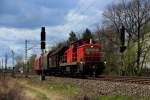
[[43, 38], [122, 47]]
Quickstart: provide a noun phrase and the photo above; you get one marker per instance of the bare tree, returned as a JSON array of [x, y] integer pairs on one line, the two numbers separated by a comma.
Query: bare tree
[[134, 15], [107, 37]]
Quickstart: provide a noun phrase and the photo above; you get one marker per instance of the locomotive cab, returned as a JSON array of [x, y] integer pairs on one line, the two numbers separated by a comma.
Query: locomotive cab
[[89, 53], [90, 58]]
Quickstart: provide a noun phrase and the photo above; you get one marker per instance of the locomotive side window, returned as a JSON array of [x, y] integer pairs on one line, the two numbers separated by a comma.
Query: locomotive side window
[[50, 60]]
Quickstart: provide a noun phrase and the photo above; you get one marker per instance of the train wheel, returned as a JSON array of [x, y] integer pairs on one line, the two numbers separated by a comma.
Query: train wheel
[[73, 70], [38, 72], [100, 68]]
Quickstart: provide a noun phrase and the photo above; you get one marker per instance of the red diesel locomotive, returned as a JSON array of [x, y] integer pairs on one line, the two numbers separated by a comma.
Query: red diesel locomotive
[[81, 57]]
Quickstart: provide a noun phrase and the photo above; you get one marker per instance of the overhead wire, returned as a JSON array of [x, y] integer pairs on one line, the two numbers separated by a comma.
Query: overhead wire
[[82, 12]]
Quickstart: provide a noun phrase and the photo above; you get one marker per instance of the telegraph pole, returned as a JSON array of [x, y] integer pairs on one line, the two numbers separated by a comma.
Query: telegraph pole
[[2, 74], [13, 63], [2, 65], [26, 54], [6, 58], [3, 69], [13, 58]]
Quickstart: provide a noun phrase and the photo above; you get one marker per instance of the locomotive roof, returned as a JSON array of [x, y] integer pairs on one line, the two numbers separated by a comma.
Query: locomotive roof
[[82, 41], [57, 50], [96, 45]]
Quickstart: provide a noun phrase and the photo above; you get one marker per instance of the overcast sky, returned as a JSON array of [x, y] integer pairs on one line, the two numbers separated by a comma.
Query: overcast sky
[[23, 19]]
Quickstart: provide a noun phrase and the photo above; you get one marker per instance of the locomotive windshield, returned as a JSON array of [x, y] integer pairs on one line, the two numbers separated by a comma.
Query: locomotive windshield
[[91, 50]]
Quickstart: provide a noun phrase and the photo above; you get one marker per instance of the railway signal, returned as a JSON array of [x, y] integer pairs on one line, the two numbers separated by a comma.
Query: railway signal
[[122, 39], [43, 38]]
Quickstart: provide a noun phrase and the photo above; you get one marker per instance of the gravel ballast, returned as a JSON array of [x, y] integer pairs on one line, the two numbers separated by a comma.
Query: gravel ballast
[[98, 88]]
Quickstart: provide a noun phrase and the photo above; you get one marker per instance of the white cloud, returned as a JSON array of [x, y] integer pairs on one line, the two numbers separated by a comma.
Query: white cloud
[[15, 38], [85, 14]]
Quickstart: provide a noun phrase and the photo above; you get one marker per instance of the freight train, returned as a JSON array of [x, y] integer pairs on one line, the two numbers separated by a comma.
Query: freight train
[[80, 57]]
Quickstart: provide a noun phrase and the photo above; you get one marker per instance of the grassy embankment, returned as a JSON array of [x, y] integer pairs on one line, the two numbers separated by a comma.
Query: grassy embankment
[[118, 97], [26, 89]]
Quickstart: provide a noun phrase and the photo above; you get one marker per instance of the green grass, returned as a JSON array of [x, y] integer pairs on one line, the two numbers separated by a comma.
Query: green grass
[[38, 94], [117, 97], [66, 89]]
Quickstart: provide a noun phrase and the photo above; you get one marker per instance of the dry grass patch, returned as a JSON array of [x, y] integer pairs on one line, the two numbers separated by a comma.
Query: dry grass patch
[[9, 90], [41, 90]]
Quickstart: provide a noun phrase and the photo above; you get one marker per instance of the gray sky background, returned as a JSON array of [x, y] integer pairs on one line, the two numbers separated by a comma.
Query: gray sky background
[[22, 19]]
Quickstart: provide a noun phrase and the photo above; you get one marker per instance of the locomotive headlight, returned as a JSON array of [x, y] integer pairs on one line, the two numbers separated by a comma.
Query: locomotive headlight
[[105, 62], [92, 46], [82, 62]]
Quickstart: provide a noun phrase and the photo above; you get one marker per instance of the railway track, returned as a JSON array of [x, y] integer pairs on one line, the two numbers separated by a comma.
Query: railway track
[[124, 79]]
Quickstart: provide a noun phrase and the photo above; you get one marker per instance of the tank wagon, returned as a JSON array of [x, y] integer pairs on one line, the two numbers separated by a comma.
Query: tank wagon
[[80, 57]]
